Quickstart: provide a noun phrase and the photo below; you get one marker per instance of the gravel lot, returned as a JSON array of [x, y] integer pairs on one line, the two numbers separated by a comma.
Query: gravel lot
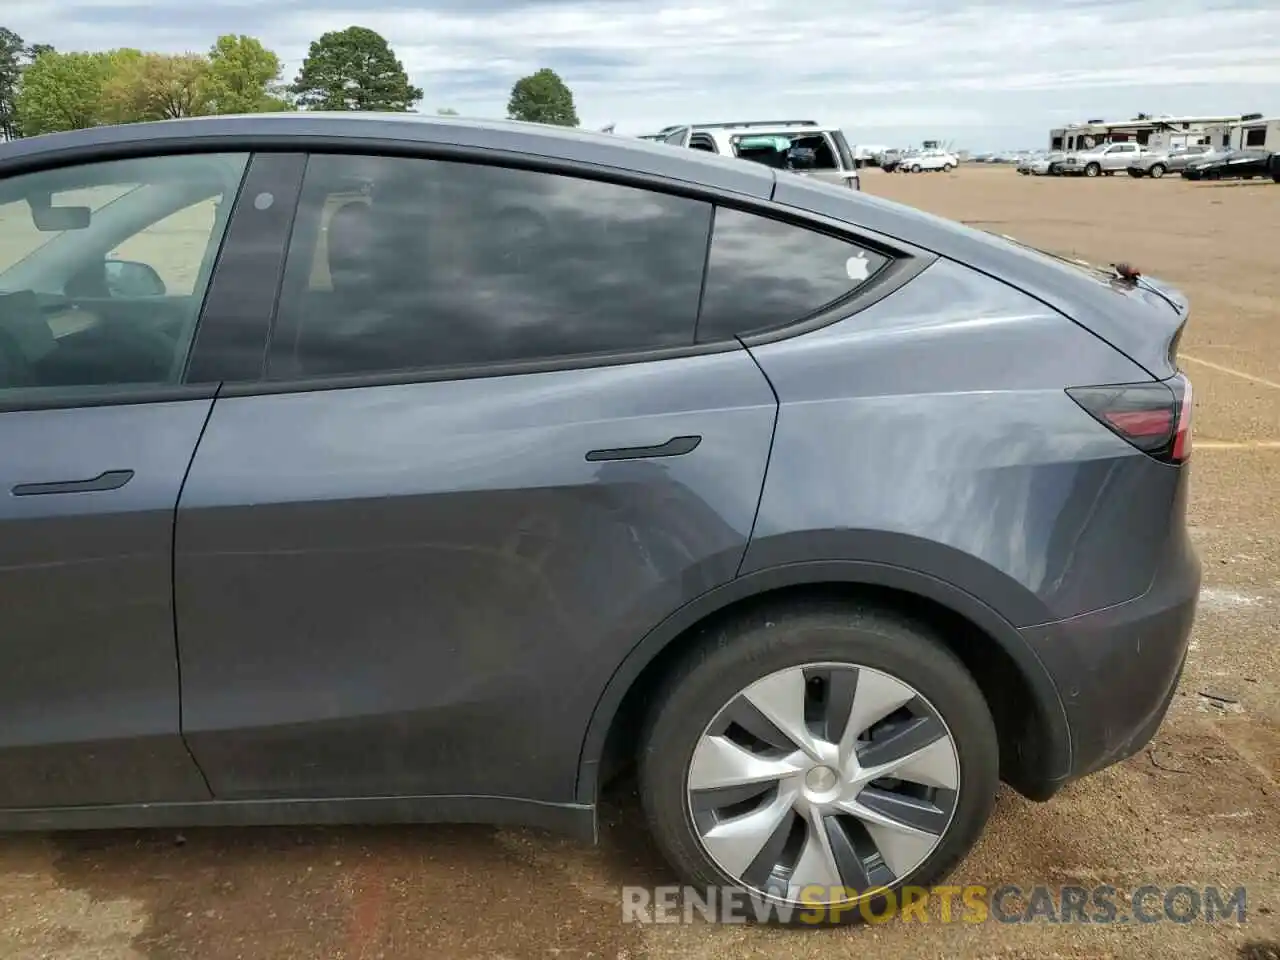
[[1201, 806]]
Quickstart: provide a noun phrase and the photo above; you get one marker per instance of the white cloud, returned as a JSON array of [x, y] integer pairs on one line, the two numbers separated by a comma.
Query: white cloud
[[985, 74]]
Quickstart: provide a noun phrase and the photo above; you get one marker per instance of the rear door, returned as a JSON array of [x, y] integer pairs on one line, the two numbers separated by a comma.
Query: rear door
[[486, 458], [103, 269], [1118, 156]]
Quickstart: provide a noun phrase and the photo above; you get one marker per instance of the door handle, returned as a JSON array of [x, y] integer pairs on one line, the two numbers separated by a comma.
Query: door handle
[[675, 447], [110, 480]]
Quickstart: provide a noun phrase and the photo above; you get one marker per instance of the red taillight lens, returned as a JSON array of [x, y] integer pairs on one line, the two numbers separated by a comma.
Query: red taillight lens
[[1154, 416], [1182, 437]]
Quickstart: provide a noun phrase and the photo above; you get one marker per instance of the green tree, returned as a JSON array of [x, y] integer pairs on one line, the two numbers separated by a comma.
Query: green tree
[[155, 86], [15, 57], [244, 77], [447, 112], [13, 53], [542, 97], [66, 91], [354, 69]]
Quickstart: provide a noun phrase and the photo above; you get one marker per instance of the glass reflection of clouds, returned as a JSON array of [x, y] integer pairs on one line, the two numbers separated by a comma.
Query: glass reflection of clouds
[[476, 264], [763, 273]]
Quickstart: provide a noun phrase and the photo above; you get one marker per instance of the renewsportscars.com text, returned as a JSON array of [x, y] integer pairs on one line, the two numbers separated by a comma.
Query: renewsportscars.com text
[[972, 904]]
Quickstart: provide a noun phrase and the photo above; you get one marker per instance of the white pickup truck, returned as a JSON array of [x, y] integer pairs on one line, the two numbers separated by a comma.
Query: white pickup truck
[[1104, 158]]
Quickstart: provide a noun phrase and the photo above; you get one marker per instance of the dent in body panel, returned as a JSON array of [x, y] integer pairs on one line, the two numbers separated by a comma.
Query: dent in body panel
[[422, 588], [952, 448], [89, 690]]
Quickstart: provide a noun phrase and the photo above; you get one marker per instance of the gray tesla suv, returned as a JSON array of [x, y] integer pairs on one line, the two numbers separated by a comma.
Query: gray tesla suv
[[369, 468]]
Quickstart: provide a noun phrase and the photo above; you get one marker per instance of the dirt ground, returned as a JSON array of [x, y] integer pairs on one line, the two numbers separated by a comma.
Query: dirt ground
[[1201, 806]]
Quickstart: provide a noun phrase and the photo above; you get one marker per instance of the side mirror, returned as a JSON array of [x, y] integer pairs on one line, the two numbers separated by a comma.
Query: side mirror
[[129, 279]]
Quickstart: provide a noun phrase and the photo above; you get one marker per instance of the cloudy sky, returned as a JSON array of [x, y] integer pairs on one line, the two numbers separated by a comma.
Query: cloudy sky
[[989, 75]]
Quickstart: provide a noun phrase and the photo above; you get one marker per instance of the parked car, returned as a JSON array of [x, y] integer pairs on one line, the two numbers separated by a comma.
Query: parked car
[[1105, 158], [416, 469], [1234, 165], [889, 160], [1156, 164], [929, 160], [1046, 164], [799, 146]]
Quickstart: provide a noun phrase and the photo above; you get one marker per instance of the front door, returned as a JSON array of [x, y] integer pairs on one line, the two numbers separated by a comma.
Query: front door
[[833, 160], [487, 458], [102, 272]]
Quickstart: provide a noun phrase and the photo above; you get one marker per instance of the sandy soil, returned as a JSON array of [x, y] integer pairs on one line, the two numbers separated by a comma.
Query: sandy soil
[[1202, 806]]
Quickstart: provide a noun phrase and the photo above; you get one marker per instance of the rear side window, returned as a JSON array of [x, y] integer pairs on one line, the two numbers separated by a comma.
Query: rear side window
[[703, 141], [763, 274], [401, 263]]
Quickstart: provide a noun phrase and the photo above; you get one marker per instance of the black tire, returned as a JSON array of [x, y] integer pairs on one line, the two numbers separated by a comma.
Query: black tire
[[915, 168], [737, 653], [1158, 170], [1092, 170]]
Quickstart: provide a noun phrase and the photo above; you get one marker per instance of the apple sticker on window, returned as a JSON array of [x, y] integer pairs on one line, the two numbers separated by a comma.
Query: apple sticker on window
[[857, 267]]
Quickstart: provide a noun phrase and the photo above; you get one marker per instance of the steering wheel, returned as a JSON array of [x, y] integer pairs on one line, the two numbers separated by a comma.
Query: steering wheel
[[15, 369]]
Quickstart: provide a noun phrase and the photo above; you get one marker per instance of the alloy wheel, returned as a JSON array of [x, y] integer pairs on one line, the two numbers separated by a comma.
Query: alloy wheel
[[821, 782]]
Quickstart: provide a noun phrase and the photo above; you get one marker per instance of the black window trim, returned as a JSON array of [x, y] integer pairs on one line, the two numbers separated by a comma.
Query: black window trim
[[30, 399], [242, 298], [906, 260]]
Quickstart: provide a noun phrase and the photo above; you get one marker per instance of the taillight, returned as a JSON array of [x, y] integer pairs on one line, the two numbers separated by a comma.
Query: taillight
[[1182, 435], [1154, 416]]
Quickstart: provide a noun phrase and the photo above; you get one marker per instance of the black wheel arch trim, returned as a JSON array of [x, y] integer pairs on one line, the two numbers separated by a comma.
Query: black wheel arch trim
[[1058, 749]]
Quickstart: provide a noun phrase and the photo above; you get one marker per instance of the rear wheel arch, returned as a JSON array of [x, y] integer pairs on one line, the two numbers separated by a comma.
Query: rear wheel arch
[[1034, 736]]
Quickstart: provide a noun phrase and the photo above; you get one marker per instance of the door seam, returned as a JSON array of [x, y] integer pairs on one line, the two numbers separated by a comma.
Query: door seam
[[173, 590], [768, 460]]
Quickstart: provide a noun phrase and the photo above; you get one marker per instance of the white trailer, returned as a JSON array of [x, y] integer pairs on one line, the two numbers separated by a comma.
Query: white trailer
[[1156, 133]]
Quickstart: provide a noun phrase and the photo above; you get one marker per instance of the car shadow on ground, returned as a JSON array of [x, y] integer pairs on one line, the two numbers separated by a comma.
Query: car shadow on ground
[[1235, 184]]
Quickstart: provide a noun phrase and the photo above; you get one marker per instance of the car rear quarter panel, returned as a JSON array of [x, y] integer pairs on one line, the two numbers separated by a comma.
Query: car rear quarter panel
[[1132, 323], [931, 431]]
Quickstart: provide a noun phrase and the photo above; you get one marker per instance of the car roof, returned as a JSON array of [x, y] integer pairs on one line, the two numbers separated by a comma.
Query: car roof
[[319, 130], [768, 131], [1041, 276]]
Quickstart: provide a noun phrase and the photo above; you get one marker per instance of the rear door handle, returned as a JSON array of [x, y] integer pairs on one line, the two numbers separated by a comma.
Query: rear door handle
[[675, 447], [110, 480]]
